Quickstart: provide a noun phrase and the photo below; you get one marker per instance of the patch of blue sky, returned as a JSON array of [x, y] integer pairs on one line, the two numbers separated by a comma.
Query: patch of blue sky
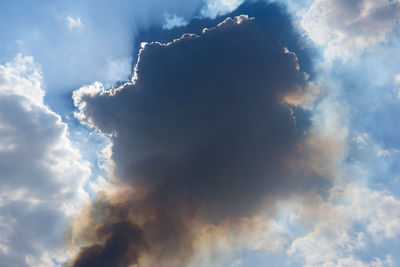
[[78, 43], [70, 42], [91, 143], [368, 89]]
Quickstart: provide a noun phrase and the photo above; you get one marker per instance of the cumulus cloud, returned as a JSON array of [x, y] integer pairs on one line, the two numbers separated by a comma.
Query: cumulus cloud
[[350, 220], [344, 27], [200, 135], [41, 172]]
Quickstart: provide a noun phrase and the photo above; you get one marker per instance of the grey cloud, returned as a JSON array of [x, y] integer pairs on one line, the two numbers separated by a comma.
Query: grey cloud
[[200, 132]]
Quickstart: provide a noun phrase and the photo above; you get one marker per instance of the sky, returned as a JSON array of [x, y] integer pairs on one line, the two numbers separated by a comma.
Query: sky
[[199, 133]]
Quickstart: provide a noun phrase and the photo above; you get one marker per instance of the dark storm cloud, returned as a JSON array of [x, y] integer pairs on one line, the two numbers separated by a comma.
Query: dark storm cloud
[[201, 132]]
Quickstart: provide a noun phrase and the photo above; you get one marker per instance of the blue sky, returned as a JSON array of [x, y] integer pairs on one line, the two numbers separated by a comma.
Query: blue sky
[[67, 143]]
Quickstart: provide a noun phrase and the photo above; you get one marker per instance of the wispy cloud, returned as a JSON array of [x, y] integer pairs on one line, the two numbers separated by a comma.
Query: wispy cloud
[[173, 20], [214, 8], [73, 23]]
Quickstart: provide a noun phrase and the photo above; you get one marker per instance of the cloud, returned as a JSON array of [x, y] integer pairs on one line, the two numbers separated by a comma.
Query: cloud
[[347, 223], [172, 21], [42, 174], [73, 23], [214, 8], [344, 28], [219, 244], [199, 135]]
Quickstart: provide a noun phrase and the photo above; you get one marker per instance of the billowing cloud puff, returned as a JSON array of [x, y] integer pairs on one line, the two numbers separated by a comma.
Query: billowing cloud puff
[[200, 135], [41, 174], [345, 27]]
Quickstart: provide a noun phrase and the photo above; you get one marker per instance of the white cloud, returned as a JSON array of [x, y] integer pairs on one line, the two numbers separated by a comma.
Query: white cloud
[[346, 223], [344, 27], [73, 23], [361, 140], [78, 95], [42, 174], [386, 152], [173, 20], [214, 8]]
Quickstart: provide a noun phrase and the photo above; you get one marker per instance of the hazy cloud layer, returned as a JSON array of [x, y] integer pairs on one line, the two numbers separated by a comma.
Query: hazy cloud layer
[[347, 27], [41, 174], [346, 224]]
